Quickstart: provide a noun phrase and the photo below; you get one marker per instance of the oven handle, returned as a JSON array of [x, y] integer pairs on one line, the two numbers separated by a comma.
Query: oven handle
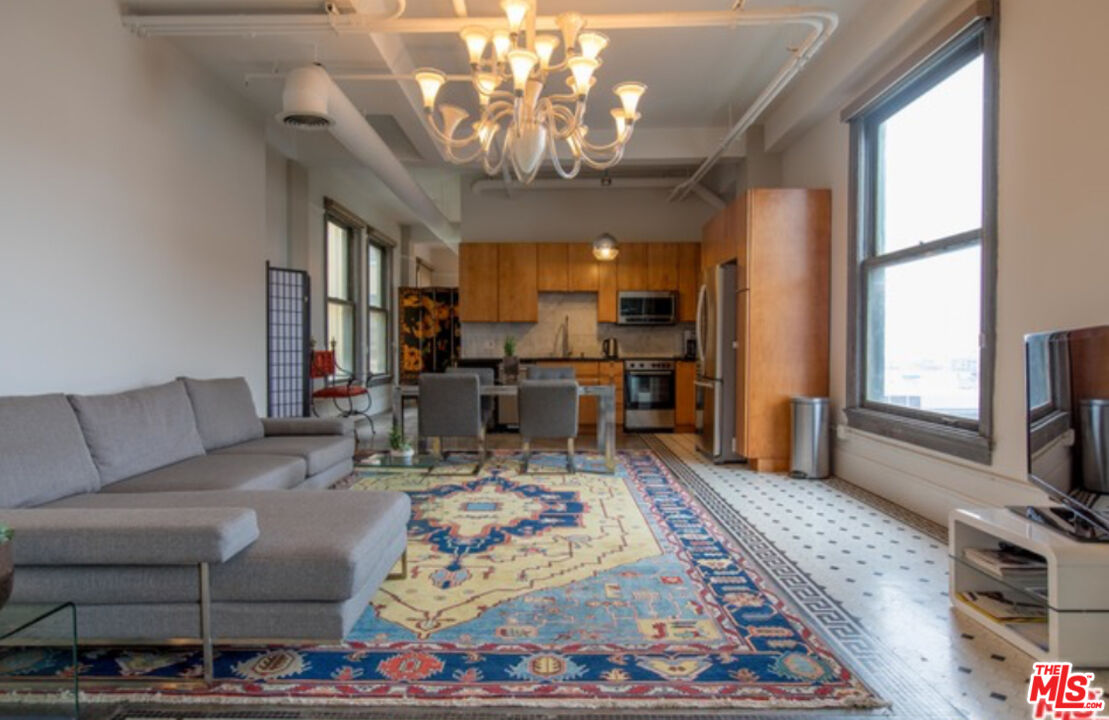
[[649, 373]]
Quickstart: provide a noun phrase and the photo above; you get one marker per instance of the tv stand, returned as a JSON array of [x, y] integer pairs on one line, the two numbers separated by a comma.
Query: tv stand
[[1063, 520], [1075, 598]]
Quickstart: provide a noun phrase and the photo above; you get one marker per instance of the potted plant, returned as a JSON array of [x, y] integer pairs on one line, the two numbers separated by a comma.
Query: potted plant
[[7, 567], [510, 363], [398, 446]]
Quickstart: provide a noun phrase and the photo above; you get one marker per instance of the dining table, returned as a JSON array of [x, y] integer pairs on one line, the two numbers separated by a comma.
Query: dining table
[[606, 412]]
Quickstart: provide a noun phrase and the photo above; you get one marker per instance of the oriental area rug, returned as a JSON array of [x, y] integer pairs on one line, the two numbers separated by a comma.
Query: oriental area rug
[[548, 589]]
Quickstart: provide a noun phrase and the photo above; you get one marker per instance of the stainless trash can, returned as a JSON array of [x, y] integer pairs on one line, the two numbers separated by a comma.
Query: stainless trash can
[[810, 419], [1094, 424]]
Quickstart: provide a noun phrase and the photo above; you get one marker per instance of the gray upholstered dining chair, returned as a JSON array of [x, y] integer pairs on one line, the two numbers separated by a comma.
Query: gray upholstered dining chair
[[450, 407], [536, 372], [548, 410], [485, 376]]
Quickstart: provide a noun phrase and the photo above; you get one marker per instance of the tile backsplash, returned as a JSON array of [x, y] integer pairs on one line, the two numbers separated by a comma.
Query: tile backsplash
[[544, 338]]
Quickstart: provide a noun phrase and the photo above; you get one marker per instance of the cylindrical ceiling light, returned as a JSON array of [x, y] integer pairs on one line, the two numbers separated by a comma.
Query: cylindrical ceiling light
[[605, 248]]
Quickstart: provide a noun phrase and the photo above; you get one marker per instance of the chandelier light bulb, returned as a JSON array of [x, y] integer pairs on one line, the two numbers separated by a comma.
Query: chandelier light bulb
[[521, 61], [502, 42], [582, 69], [452, 118], [629, 94], [476, 38], [570, 23], [515, 11], [484, 132], [621, 122], [429, 80], [545, 45], [592, 43]]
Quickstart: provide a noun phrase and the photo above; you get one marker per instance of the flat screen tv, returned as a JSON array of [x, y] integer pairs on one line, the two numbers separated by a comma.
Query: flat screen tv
[[1067, 392]]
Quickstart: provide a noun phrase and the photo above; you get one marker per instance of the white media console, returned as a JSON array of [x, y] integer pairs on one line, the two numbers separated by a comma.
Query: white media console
[[1077, 590]]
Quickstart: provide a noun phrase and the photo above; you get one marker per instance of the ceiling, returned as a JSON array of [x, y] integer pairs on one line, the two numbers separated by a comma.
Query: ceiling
[[700, 80]]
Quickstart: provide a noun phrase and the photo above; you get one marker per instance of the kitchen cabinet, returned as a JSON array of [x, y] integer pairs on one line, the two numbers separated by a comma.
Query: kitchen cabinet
[[517, 283], [662, 266], [631, 267], [552, 267], [606, 291], [583, 273], [689, 280], [685, 396], [780, 240], [478, 284]]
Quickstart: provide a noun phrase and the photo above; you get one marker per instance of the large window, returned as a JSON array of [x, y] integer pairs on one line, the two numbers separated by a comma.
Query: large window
[[377, 307], [923, 268], [341, 293]]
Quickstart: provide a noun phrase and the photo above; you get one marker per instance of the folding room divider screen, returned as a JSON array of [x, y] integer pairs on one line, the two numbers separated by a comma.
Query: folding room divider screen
[[288, 298]]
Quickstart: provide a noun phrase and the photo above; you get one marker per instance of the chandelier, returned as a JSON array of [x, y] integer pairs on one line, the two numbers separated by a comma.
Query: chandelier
[[524, 116]]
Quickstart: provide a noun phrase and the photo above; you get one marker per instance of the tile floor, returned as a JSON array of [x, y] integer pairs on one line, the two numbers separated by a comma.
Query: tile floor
[[888, 568]]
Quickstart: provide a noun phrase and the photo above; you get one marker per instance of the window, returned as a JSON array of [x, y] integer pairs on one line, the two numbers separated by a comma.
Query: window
[[378, 293], [341, 294], [922, 273]]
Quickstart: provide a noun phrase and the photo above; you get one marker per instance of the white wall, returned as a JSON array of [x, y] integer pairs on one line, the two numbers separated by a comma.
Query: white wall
[[1053, 252], [132, 195], [642, 215]]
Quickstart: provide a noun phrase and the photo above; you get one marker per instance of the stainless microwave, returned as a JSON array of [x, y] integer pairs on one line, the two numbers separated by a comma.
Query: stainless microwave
[[641, 307]]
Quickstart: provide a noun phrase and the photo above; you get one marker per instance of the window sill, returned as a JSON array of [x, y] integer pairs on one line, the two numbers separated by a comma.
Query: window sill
[[377, 380], [961, 443]]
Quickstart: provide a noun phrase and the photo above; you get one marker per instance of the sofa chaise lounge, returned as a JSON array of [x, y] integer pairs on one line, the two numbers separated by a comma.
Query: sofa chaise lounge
[[174, 512]]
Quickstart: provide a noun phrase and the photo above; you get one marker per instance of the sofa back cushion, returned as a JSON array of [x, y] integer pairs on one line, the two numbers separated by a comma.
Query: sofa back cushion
[[224, 410], [43, 455], [137, 431]]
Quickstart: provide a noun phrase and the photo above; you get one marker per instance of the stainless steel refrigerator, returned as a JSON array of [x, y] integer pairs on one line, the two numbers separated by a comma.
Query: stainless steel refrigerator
[[716, 353]]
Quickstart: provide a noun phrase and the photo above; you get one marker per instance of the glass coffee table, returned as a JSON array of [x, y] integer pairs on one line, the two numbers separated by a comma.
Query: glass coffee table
[[22, 628]]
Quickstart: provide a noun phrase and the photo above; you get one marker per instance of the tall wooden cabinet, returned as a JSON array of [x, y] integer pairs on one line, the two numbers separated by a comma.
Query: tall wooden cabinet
[[477, 282], [779, 239], [517, 283]]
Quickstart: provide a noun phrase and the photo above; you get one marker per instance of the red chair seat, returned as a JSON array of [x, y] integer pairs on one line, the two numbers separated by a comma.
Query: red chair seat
[[340, 391]]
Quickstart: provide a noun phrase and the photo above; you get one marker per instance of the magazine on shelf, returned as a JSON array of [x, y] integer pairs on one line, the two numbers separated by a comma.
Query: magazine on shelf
[[997, 606], [1007, 564]]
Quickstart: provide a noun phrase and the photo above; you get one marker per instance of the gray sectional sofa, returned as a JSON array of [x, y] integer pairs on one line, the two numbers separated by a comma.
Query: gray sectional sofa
[[175, 512]]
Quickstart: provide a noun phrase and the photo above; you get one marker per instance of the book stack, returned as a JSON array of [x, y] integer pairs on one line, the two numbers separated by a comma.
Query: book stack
[[999, 607], [1011, 565]]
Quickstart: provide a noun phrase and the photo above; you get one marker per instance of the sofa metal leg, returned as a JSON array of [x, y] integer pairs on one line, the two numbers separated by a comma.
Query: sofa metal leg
[[401, 574], [206, 622]]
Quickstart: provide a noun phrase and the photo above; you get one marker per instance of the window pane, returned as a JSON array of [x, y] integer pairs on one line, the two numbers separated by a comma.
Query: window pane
[[930, 163], [338, 262], [340, 327], [379, 343], [376, 295], [922, 333], [1039, 373]]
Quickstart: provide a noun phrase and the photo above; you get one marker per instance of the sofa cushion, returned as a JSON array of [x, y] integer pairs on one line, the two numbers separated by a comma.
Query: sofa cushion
[[137, 431], [43, 455], [319, 451], [321, 546], [219, 472], [224, 410]]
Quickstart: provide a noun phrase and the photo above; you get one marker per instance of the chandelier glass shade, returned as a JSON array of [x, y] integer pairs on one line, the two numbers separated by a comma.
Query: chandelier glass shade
[[525, 114]]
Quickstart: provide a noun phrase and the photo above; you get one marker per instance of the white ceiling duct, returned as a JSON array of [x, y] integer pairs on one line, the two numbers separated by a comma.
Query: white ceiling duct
[[312, 101]]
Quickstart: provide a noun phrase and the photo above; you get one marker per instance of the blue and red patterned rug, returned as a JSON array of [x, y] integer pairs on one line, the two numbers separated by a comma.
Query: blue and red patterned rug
[[551, 590]]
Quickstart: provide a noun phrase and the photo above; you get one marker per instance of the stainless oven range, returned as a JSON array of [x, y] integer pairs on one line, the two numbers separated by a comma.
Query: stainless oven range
[[649, 395]]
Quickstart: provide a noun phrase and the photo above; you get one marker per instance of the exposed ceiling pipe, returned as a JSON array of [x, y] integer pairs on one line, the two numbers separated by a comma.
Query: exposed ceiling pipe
[[824, 24], [298, 24], [313, 101], [486, 185]]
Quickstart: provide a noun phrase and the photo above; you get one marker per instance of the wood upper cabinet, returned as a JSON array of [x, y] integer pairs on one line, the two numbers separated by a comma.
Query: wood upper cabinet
[[583, 273], [631, 267], [662, 266], [552, 271], [478, 284], [685, 396], [517, 283], [606, 291], [689, 280]]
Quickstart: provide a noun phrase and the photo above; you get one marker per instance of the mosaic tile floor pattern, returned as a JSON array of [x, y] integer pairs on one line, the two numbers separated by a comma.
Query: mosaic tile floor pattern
[[888, 567]]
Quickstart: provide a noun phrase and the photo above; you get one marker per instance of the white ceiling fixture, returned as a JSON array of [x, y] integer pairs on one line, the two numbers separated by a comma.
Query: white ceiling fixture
[[519, 126]]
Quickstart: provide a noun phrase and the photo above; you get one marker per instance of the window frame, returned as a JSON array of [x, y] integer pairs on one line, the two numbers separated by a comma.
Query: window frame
[[974, 32], [353, 287], [373, 240]]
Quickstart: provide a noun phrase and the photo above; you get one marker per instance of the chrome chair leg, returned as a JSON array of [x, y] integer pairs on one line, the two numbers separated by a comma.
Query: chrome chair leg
[[480, 453], [527, 456], [570, 456]]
